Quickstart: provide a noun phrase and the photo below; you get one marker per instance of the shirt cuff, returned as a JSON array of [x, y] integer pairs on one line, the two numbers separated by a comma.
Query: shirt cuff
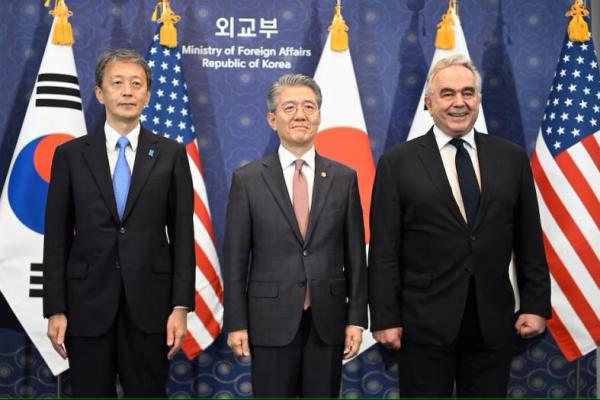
[[359, 327]]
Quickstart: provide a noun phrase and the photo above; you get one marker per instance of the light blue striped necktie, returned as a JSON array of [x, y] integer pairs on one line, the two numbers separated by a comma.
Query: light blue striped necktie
[[121, 176]]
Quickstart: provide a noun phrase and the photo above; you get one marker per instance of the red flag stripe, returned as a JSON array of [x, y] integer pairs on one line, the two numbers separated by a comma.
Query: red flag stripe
[[572, 291], [563, 338], [203, 215], [190, 346], [209, 271], [564, 220], [192, 151], [198, 333], [581, 186], [591, 145], [207, 317]]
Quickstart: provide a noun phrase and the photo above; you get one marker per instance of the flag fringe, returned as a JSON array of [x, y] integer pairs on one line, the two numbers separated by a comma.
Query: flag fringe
[[578, 29], [63, 31], [339, 30], [444, 36], [167, 19]]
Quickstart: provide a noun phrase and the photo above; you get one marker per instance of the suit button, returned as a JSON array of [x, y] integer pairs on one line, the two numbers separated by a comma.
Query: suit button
[[473, 238], [122, 230], [117, 265], [305, 253], [300, 283], [468, 270]]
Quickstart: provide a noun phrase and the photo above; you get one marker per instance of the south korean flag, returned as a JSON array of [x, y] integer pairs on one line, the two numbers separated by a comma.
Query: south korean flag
[[54, 116]]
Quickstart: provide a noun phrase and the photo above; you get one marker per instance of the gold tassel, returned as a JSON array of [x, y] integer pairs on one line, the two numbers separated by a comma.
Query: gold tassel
[[63, 31], [444, 37], [167, 19], [168, 33], [155, 13], [46, 3], [339, 30], [578, 29]]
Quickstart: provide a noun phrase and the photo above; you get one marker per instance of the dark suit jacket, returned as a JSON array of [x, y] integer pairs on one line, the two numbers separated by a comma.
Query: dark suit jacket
[[422, 253], [89, 254], [267, 262]]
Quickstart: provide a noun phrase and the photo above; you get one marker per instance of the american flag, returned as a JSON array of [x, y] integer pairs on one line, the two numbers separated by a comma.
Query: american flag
[[168, 114], [566, 164]]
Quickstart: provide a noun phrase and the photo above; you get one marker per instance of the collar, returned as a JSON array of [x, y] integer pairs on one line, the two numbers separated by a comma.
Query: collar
[[287, 158], [443, 139], [112, 136]]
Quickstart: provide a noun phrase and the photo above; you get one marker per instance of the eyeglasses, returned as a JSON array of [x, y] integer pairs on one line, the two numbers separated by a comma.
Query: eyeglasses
[[308, 107]]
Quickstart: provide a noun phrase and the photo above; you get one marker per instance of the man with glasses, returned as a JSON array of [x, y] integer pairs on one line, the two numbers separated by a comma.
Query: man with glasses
[[294, 270]]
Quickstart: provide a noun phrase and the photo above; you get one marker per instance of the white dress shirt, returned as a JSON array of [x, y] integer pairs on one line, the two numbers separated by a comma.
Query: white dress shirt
[[112, 150], [308, 169], [448, 153]]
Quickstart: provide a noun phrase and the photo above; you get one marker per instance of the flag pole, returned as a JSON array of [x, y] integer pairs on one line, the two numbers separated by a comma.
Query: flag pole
[[59, 387], [577, 377], [597, 374]]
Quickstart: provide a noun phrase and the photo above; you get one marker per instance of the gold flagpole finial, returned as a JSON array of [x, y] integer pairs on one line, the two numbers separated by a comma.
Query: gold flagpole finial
[[338, 29], [578, 30], [164, 15], [444, 36], [63, 31]]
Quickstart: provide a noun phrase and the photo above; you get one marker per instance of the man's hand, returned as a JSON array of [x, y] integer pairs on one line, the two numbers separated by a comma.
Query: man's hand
[[238, 341], [57, 327], [176, 328], [352, 341], [390, 338], [530, 325]]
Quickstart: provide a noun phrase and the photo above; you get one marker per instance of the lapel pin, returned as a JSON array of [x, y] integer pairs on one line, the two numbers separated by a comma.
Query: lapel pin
[[324, 174], [151, 152]]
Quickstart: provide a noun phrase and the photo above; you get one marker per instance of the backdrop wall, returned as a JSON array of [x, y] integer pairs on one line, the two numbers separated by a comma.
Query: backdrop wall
[[515, 44]]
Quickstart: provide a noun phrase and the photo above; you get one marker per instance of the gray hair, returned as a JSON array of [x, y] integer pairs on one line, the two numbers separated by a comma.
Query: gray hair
[[292, 80], [126, 55], [450, 61]]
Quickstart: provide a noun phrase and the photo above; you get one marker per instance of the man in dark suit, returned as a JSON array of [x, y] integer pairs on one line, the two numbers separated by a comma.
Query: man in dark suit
[[294, 271], [448, 210], [118, 246]]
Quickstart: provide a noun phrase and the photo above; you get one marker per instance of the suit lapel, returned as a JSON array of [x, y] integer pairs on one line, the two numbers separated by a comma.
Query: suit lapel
[[487, 172], [144, 161], [97, 161], [322, 184], [431, 159], [273, 177]]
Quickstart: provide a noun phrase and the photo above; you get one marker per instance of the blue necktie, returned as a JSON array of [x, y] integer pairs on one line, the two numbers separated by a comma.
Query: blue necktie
[[467, 180], [121, 177]]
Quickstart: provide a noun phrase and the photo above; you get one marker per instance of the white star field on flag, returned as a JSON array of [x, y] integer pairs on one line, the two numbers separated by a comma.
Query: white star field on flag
[[167, 112], [575, 91]]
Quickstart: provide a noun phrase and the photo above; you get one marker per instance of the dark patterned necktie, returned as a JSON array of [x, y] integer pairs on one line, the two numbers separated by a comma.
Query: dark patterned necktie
[[467, 180]]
